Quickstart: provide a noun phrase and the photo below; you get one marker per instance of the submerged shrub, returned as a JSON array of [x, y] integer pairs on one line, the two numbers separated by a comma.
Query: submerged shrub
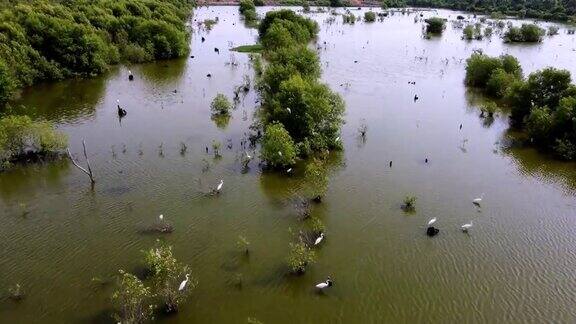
[[299, 257], [529, 33], [369, 16], [167, 274], [220, 105], [133, 300], [435, 25]]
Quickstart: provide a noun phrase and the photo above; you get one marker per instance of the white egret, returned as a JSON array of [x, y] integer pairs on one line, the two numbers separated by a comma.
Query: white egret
[[319, 239], [337, 138], [220, 186], [279, 153], [325, 284], [161, 217], [432, 221], [466, 227], [289, 111], [289, 170], [183, 283], [477, 201], [248, 156]]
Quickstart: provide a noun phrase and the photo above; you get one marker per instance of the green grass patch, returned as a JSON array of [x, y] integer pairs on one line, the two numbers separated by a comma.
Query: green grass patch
[[256, 48]]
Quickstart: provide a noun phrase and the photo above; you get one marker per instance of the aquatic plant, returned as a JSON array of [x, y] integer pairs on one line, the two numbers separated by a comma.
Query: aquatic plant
[[553, 30], [166, 275], [316, 225], [299, 257], [316, 176], [480, 67], [369, 16], [220, 105], [243, 244], [409, 203], [248, 11], [132, 300], [435, 25], [216, 148], [527, 33]]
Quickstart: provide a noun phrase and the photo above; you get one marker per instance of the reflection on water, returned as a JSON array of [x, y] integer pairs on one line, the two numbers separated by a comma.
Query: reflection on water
[[58, 234]]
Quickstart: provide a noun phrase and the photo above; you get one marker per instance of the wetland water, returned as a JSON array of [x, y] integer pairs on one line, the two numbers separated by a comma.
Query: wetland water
[[516, 264]]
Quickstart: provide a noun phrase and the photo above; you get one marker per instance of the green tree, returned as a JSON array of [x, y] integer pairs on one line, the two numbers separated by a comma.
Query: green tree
[[435, 25], [133, 300], [7, 84], [278, 149], [499, 83]]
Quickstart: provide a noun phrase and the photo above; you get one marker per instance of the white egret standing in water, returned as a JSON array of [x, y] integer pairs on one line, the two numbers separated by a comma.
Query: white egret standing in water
[[161, 217], [319, 239], [432, 221], [477, 201], [220, 186], [466, 227], [183, 283], [325, 284]]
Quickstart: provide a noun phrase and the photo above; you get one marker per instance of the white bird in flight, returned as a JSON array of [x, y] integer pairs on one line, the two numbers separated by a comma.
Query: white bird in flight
[[325, 284], [183, 283], [466, 227], [319, 239], [432, 221]]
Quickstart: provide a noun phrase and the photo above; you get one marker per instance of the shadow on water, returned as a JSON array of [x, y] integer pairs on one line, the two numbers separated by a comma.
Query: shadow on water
[[68, 101], [33, 179]]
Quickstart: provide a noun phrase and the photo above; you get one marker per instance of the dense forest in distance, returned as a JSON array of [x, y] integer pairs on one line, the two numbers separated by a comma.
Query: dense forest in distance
[[563, 10], [47, 40]]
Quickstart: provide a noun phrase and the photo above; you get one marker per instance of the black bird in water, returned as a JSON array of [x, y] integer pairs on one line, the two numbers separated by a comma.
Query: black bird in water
[[460, 126], [426, 160], [121, 112], [216, 50], [416, 97], [130, 76], [390, 163], [203, 39]]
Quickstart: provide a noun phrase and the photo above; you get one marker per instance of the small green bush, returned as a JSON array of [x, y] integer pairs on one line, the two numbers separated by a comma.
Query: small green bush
[[435, 25], [299, 257], [220, 105], [278, 149], [369, 16]]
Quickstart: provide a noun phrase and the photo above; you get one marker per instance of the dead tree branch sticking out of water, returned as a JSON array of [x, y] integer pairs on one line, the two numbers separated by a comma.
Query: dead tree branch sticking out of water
[[87, 171]]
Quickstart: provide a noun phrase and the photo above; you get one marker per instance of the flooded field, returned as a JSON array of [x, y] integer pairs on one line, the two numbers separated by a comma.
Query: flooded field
[[64, 243]]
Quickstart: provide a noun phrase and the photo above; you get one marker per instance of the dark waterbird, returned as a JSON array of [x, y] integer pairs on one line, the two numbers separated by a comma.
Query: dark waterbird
[[121, 112]]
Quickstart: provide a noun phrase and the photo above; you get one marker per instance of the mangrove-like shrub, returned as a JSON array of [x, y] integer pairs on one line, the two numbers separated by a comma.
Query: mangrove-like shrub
[[299, 257], [527, 33], [278, 149], [167, 274], [316, 176], [480, 67], [220, 105], [132, 300], [435, 25], [369, 16]]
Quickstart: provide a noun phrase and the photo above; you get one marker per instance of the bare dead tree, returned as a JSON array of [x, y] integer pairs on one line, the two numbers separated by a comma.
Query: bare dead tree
[[88, 171]]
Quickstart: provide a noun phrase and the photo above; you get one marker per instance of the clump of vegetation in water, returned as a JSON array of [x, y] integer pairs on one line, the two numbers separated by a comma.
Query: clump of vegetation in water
[[482, 70], [166, 275], [553, 30], [316, 225], [435, 25], [248, 11], [15, 293], [472, 32], [278, 149], [299, 257], [527, 33], [348, 18], [317, 178], [409, 203], [243, 244], [22, 139], [132, 300], [220, 105], [543, 105], [369, 16], [52, 40], [489, 109]]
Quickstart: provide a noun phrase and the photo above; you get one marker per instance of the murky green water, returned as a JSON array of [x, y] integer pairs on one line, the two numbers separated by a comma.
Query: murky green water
[[516, 264]]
